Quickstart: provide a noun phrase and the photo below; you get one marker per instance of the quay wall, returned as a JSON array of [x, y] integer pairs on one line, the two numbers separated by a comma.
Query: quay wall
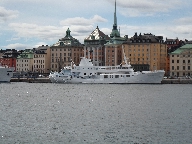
[[31, 80], [46, 80]]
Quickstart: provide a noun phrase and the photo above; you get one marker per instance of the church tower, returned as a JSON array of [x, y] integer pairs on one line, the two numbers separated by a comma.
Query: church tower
[[115, 32]]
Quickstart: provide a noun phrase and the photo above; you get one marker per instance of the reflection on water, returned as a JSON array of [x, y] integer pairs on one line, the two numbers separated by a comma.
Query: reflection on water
[[97, 113]]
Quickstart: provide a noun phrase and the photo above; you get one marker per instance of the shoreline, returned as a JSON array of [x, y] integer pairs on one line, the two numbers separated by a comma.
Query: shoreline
[[47, 80]]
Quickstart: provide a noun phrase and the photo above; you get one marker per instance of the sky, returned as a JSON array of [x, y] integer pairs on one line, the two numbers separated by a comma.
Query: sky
[[28, 24]]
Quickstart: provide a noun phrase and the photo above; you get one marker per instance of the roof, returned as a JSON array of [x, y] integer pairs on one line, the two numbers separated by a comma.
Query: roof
[[96, 35], [146, 38], [183, 48], [68, 40]]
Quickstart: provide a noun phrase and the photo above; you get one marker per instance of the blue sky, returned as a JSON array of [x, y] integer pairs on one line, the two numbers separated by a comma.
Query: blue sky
[[31, 23]]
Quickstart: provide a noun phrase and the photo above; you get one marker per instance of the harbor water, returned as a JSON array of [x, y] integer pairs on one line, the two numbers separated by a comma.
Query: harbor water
[[46, 113]]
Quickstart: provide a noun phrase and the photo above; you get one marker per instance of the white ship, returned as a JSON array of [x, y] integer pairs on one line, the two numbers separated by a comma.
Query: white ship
[[120, 74], [6, 73]]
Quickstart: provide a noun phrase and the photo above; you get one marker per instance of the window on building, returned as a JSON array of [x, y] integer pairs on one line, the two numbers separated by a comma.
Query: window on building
[[177, 61], [188, 67], [188, 61], [172, 67], [172, 55], [177, 67], [183, 61], [172, 61], [183, 67]]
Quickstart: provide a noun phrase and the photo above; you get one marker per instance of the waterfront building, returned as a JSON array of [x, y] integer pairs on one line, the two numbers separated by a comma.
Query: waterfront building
[[65, 51], [146, 51], [113, 50], [41, 60], [8, 58], [181, 61], [172, 45], [94, 47], [24, 62], [1, 52]]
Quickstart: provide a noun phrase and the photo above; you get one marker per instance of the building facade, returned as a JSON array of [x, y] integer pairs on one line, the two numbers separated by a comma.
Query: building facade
[[8, 58], [65, 51], [146, 50], [41, 60], [24, 62], [94, 47], [181, 61], [172, 45]]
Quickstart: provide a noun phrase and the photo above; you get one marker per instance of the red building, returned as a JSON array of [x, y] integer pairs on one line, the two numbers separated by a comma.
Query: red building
[[8, 58]]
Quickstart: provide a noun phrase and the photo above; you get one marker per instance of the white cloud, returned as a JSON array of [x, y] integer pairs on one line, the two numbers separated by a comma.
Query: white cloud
[[134, 8], [26, 30], [80, 28], [82, 21], [184, 21], [7, 14], [39, 44], [182, 29], [17, 46], [169, 31]]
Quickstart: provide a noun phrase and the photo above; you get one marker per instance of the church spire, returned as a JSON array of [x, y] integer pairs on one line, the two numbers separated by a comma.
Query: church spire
[[115, 31], [115, 18]]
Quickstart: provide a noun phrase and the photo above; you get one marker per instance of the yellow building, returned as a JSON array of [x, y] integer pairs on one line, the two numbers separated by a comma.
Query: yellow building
[[24, 62], [41, 60], [65, 51], [181, 61], [146, 49]]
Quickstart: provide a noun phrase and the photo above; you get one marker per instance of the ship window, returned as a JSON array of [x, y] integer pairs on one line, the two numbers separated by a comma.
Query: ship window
[[105, 76], [127, 75], [116, 76], [84, 73]]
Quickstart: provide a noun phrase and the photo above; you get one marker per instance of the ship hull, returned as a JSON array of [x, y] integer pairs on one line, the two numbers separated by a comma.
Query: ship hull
[[6, 74], [142, 78]]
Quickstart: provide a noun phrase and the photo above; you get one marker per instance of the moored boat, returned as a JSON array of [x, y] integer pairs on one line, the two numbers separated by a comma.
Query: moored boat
[[6, 73], [120, 74]]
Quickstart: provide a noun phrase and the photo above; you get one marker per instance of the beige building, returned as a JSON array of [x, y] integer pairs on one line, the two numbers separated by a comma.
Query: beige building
[[67, 49], [24, 62], [181, 61], [41, 60], [146, 49]]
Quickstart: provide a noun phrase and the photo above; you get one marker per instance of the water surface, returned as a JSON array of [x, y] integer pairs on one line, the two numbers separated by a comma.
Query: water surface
[[95, 113]]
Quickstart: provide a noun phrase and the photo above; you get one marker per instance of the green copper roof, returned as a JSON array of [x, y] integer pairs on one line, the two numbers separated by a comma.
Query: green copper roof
[[183, 48], [187, 46]]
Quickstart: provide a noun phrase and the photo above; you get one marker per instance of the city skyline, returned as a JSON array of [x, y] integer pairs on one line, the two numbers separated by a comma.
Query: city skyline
[[34, 23]]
